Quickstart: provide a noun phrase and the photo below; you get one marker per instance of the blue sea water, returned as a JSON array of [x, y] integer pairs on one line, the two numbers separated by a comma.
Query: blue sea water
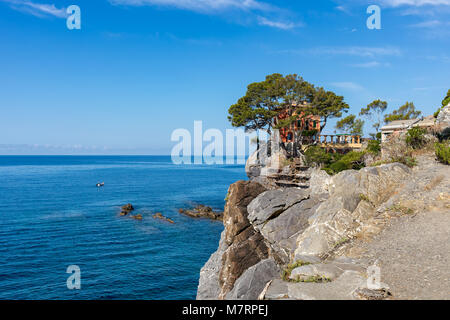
[[52, 216]]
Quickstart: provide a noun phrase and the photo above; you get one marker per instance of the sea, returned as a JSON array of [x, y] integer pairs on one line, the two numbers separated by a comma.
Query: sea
[[55, 221]]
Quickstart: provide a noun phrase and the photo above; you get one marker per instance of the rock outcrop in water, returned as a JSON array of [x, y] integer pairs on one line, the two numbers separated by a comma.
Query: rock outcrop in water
[[202, 211]]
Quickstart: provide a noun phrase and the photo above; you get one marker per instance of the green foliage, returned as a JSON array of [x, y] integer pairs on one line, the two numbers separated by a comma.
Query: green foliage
[[415, 138], [327, 104], [406, 112], [309, 133], [443, 152], [436, 114], [351, 125], [406, 160], [264, 100], [257, 108], [286, 273], [446, 100], [315, 155], [401, 209], [374, 147], [351, 160], [375, 109], [333, 163]]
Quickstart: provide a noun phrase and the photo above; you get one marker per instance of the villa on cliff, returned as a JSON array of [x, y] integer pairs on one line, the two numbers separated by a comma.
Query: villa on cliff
[[310, 127], [308, 123]]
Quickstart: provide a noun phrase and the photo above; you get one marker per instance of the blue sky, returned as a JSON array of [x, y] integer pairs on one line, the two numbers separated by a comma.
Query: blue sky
[[138, 69]]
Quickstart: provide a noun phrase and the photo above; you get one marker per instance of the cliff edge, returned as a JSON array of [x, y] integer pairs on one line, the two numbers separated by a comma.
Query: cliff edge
[[323, 242]]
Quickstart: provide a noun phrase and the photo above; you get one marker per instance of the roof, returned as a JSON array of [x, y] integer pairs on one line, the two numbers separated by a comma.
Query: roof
[[399, 124], [426, 122]]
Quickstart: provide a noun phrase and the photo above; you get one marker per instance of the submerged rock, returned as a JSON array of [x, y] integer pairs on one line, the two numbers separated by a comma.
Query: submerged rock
[[202, 211], [127, 208], [159, 215], [137, 217]]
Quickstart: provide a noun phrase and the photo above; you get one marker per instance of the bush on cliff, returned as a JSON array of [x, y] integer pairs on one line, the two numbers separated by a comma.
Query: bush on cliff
[[318, 156], [443, 151], [374, 147], [334, 163], [415, 138], [352, 160]]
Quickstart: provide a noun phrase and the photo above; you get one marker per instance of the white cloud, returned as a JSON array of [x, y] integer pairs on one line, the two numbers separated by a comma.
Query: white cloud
[[348, 86], [37, 9], [255, 9], [357, 51], [371, 64], [276, 24], [199, 5], [415, 3]]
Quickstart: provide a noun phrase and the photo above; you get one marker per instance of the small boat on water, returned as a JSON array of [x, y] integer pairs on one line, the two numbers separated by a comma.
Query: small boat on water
[[100, 184]]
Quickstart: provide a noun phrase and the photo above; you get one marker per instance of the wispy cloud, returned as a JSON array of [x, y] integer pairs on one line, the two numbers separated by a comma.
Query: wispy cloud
[[199, 5], [262, 21], [40, 10], [415, 3], [260, 12], [346, 85], [370, 64], [370, 52]]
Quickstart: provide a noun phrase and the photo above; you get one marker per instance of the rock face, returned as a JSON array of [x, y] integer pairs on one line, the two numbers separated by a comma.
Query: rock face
[[279, 215], [265, 230], [253, 280], [209, 288], [240, 248], [351, 204], [265, 161], [443, 118], [245, 245]]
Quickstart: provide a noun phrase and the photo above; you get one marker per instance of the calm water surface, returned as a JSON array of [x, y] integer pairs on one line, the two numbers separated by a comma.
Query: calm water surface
[[53, 216]]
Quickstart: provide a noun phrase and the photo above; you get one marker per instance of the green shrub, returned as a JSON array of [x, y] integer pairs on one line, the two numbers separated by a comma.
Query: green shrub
[[351, 160], [286, 273], [436, 114], [317, 156], [309, 133], [443, 152], [415, 138], [374, 147]]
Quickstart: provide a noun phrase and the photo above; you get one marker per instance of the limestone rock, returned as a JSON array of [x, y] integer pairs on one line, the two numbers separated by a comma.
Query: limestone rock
[[342, 288], [247, 250], [209, 288], [253, 280], [319, 182], [270, 204], [443, 119], [240, 194], [322, 270], [281, 233], [344, 213], [265, 161]]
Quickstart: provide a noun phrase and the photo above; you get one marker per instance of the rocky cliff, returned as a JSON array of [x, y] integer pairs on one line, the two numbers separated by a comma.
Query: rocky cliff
[[300, 243]]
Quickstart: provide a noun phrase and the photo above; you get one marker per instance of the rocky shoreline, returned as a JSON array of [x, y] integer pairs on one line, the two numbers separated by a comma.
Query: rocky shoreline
[[300, 243]]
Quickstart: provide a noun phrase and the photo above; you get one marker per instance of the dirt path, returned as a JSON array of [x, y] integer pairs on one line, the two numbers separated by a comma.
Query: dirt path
[[413, 250]]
